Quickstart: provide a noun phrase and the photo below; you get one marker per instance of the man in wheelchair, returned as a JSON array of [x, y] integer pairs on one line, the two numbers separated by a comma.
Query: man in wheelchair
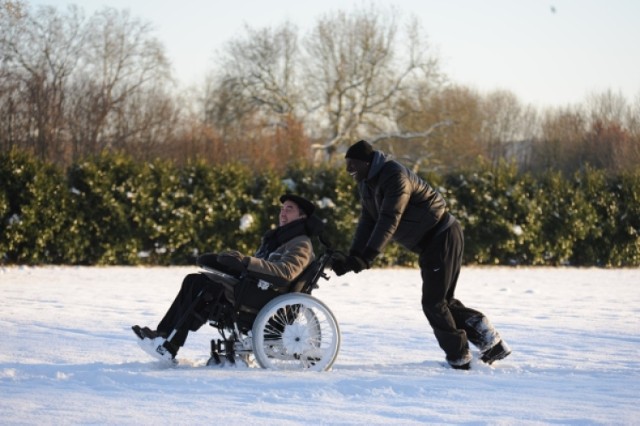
[[284, 253]]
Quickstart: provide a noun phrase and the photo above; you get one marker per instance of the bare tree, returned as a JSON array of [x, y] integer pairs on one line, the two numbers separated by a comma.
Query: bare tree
[[257, 75], [12, 112], [72, 87], [40, 52], [342, 82], [356, 69], [147, 124], [611, 140], [633, 122], [454, 116], [560, 143], [121, 60], [602, 133], [607, 107], [508, 127], [254, 94]]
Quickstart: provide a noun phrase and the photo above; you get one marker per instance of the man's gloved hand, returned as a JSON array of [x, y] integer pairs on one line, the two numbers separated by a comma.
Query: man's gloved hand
[[234, 260], [207, 259], [342, 264]]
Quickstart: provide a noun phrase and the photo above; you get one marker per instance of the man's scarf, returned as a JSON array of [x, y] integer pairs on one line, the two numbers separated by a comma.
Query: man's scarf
[[274, 238]]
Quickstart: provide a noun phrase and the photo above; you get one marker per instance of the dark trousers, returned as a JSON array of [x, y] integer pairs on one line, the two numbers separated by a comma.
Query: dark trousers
[[192, 287], [453, 323]]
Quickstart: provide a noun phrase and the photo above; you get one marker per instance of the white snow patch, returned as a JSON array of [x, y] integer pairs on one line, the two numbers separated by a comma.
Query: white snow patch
[[69, 357], [246, 221]]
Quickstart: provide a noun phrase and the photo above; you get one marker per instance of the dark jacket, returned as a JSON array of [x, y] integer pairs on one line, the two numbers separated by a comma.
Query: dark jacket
[[396, 205]]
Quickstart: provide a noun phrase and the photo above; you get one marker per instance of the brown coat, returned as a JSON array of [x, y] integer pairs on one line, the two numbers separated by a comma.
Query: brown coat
[[286, 262]]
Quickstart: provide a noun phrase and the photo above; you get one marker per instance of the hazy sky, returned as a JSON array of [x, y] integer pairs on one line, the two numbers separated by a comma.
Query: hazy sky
[[548, 53]]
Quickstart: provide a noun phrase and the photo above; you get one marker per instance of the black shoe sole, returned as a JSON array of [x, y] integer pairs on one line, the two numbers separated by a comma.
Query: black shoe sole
[[466, 366]]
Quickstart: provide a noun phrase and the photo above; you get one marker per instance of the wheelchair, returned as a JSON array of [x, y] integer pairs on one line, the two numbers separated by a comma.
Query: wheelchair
[[279, 326]]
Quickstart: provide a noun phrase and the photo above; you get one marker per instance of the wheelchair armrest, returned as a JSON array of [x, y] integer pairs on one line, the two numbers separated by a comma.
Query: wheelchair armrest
[[227, 281], [278, 284]]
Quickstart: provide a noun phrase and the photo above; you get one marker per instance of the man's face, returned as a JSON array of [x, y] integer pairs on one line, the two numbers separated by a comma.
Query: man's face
[[289, 212], [358, 169]]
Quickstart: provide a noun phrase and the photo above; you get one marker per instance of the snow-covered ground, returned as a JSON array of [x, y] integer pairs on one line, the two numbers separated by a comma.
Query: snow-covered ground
[[68, 356]]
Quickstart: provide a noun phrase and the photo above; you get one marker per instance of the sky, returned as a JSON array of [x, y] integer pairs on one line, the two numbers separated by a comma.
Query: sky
[[69, 357], [549, 53]]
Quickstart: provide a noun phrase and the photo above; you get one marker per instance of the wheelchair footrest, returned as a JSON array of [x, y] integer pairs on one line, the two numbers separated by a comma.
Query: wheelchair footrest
[[214, 360], [222, 348]]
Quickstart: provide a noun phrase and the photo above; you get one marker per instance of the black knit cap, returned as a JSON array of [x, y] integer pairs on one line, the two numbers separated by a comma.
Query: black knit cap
[[361, 150], [303, 204]]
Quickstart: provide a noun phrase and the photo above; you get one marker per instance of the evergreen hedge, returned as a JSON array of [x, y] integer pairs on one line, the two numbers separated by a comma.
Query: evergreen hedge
[[111, 210]]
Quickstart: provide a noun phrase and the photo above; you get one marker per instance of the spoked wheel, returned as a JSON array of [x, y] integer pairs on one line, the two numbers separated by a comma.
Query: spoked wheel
[[296, 332]]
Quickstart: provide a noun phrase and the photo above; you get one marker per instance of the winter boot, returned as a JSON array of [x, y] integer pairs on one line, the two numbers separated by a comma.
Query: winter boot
[[461, 363], [481, 332], [147, 333], [138, 331], [499, 351], [152, 334]]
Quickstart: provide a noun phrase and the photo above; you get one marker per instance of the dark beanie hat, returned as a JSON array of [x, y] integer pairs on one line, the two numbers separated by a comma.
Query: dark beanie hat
[[361, 150], [303, 204]]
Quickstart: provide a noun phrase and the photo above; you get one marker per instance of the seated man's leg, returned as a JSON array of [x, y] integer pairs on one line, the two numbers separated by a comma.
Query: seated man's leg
[[192, 287]]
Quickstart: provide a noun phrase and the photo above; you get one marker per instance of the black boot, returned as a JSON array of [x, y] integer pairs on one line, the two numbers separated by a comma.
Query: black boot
[[499, 351], [462, 362], [147, 333]]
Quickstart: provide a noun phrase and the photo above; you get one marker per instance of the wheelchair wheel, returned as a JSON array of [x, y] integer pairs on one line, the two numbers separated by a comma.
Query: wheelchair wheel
[[295, 331]]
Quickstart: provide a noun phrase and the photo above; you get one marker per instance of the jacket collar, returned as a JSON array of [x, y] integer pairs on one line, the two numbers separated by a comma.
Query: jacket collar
[[379, 158]]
